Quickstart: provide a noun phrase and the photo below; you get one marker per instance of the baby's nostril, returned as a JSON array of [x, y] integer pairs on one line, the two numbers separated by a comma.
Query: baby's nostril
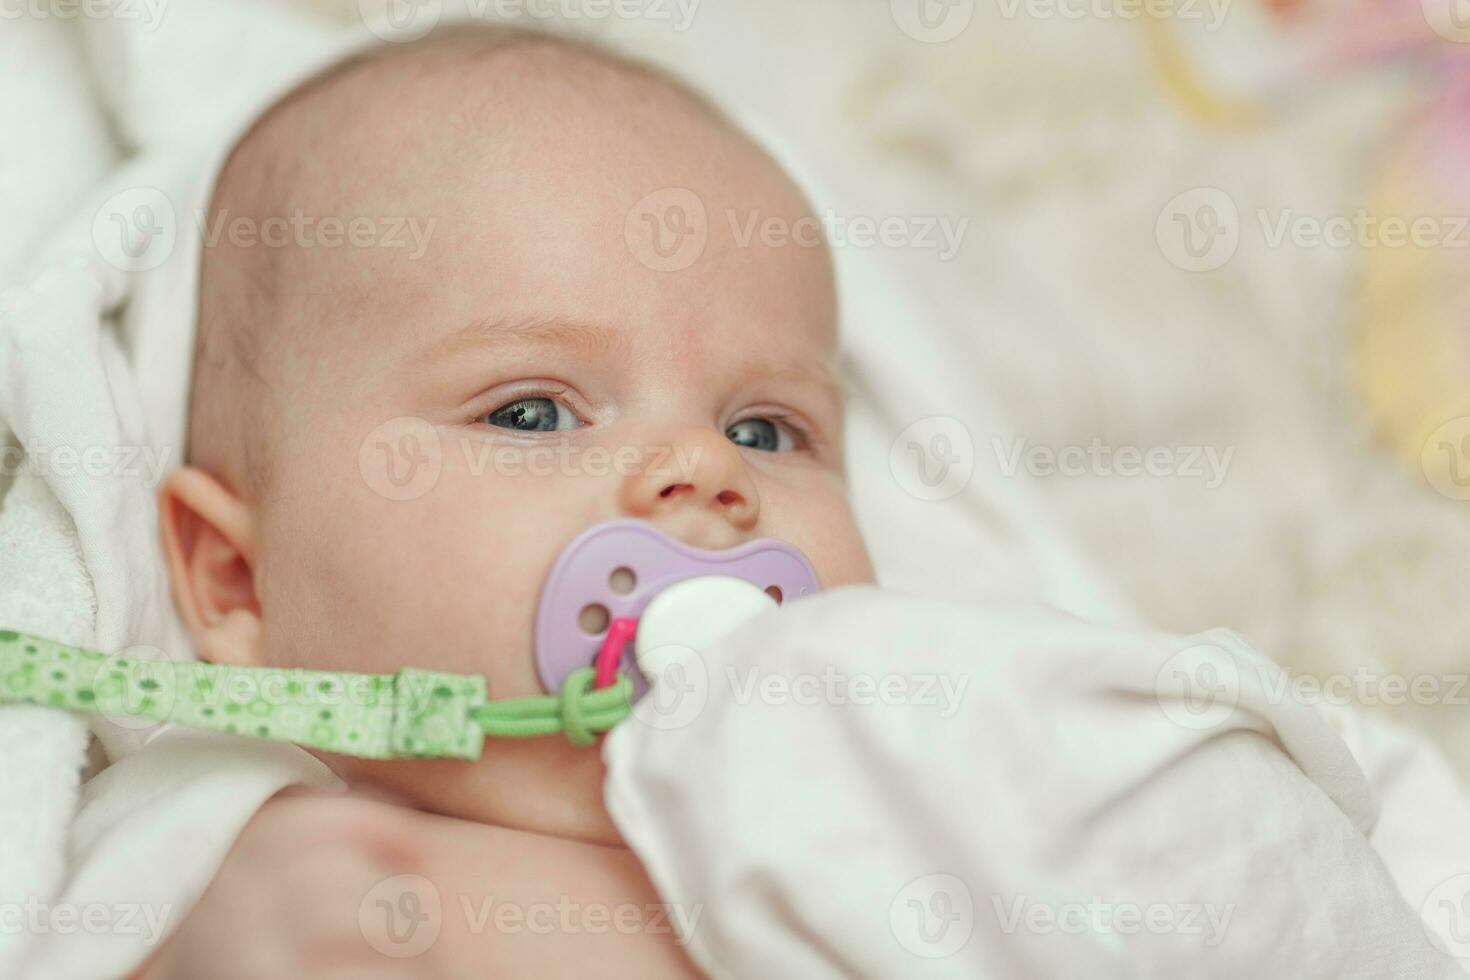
[[593, 619], [622, 580], [774, 591], [729, 498], [673, 488]]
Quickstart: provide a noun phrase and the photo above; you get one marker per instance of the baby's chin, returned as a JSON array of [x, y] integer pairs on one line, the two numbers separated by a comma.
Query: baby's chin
[[542, 786]]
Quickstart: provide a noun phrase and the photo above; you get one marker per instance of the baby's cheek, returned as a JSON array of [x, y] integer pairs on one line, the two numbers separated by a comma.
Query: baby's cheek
[[351, 579], [474, 556], [844, 558], [813, 513]]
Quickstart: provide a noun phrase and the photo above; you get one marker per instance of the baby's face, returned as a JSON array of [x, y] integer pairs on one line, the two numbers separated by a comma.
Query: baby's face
[[447, 423]]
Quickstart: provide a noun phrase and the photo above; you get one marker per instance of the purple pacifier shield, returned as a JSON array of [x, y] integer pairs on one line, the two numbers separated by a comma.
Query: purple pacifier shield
[[584, 576]]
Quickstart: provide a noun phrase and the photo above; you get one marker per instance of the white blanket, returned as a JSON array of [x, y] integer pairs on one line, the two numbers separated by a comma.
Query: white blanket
[[874, 785], [95, 343]]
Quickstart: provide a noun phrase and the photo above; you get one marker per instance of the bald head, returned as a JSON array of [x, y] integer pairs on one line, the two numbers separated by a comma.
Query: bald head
[[323, 200]]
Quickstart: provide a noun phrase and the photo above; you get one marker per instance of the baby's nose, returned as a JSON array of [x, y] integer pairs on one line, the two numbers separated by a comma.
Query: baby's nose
[[698, 470]]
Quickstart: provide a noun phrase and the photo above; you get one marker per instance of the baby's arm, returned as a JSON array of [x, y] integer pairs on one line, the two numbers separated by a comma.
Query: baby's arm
[[535, 905], [302, 894]]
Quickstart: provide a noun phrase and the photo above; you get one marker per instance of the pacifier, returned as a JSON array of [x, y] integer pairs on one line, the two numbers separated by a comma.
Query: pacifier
[[614, 572], [617, 585]]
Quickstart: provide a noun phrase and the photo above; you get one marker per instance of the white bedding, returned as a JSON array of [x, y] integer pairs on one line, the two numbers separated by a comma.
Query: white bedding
[[872, 785], [991, 540]]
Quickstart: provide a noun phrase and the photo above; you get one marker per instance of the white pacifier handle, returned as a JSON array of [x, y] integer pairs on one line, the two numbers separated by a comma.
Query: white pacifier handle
[[691, 616]]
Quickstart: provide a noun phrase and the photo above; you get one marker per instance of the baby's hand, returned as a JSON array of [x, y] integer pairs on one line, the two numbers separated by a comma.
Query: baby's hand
[[285, 903]]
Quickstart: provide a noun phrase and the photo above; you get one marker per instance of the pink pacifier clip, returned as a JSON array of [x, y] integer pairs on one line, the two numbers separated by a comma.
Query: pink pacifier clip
[[610, 654]]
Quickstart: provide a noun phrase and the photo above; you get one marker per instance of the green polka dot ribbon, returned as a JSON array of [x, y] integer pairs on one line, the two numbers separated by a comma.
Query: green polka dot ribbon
[[413, 714]]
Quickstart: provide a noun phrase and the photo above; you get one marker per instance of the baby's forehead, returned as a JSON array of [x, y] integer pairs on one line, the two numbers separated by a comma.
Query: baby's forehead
[[397, 118], [487, 184], [487, 143]]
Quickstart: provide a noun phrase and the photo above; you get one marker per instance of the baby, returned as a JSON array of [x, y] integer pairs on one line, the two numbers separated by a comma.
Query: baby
[[365, 421]]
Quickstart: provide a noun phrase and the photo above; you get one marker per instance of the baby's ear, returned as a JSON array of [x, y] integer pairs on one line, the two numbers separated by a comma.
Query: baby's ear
[[209, 545]]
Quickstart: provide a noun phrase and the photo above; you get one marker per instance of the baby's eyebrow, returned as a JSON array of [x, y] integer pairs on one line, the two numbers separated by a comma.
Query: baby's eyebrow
[[585, 337], [822, 375], [591, 339]]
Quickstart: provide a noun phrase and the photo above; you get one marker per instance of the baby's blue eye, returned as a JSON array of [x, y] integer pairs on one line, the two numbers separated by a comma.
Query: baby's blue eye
[[763, 434], [533, 415]]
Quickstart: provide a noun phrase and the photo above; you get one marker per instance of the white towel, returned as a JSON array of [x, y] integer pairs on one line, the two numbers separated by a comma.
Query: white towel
[[95, 399], [43, 579]]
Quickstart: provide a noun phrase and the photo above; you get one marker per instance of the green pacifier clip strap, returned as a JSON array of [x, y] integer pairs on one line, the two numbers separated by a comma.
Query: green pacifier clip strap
[[412, 714]]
